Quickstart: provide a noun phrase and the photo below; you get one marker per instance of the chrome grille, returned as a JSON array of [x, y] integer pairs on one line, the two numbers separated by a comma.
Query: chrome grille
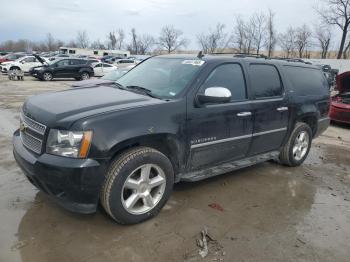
[[32, 134], [35, 126], [31, 142]]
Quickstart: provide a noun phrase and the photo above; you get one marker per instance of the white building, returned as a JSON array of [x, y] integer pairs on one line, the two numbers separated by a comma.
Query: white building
[[92, 52]]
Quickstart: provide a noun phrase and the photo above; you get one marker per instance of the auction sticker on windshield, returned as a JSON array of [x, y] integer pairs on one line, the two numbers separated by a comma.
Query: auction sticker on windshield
[[193, 62]]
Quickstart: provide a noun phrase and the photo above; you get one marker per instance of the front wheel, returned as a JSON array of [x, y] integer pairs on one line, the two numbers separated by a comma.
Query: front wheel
[[298, 146], [137, 186], [47, 76]]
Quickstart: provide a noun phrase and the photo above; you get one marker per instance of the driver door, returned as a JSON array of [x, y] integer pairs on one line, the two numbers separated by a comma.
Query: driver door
[[221, 132]]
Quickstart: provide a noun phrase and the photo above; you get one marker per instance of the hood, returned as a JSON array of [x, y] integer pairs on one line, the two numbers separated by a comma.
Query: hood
[[92, 83], [61, 109], [40, 59], [343, 82]]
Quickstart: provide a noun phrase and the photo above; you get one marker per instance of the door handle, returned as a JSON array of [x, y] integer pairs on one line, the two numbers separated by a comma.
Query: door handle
[[244, 114], [281, 109]]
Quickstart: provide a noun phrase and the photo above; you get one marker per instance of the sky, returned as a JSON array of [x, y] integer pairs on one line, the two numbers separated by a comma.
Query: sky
[[33, 19]]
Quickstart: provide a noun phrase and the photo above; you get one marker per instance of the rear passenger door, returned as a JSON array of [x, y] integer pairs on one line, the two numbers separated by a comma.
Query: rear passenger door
[[221, 132], [269, 108]]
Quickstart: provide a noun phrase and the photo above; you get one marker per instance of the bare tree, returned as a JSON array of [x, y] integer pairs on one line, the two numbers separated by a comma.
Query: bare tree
[[82, 39], [50, 42], [250, 29], [171, 39], [215, 40], [111, 40], [258, 21], [323, 36], [337, 12], [120, 39], [239, 33], [97, 45], [271, 38], [302, 39], [132, 46], [287, 42], [145, 44]]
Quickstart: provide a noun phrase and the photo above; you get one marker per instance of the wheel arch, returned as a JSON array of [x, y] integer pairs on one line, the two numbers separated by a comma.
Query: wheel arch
[[166, 143], [310, 119]]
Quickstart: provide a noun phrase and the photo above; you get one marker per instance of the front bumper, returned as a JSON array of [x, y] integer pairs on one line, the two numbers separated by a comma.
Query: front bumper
[[73, 183]]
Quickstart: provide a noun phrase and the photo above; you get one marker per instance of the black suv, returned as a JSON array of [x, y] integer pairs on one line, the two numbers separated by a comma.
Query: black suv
[[79, 69], [170, 119]]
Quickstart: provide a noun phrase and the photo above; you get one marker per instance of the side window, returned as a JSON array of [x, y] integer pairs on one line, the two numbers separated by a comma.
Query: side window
[[62, 63], [98, 65], [107, 65], [229, 76], [29, 59], [265, 80], [306, 81]]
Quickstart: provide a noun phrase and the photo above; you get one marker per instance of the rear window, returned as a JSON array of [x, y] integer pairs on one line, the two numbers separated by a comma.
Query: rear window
[[265, 80], [306, 81]]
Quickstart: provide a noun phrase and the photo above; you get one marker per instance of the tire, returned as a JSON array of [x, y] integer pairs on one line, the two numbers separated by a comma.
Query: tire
[[85, 76], [125, 196], [294, 152], [47, 76]]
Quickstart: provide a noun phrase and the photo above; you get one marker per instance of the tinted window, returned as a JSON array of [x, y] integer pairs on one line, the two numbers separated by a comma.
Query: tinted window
[[106, 65], [76, 62], [29, 60], [229, 76], [62, 62], [265, 81], [306, 81]]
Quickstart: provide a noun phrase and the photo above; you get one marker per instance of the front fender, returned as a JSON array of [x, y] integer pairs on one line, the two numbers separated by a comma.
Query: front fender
[[111, 129]]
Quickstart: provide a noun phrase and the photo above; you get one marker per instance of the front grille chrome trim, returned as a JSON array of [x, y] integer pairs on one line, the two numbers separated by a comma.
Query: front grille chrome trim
[[32, 140], [33, 125]]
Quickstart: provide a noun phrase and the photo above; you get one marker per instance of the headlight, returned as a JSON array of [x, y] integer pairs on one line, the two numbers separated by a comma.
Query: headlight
[[69, 143]]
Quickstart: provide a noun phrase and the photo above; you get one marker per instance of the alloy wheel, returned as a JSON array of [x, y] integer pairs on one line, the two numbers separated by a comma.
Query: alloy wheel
[[143, 189], [301, 145]]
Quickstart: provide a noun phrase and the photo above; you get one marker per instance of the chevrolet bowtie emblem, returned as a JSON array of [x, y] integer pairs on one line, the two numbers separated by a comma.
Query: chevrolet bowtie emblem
[[22, 127]]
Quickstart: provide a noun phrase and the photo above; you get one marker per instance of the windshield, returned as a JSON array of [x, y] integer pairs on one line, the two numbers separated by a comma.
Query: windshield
[[163, 77]]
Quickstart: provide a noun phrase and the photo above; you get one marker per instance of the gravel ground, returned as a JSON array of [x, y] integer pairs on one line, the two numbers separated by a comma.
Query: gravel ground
[[266, 212]]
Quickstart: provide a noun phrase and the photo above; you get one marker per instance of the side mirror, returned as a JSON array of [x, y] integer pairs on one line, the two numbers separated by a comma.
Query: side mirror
[[23, 62], [215, 95]]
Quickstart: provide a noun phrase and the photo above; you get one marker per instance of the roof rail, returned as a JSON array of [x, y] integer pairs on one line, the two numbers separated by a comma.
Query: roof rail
[[242, 55], [250, 55]]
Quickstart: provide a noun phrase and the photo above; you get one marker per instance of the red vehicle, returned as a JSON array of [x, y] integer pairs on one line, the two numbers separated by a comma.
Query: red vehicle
[[10, 57], [340, 106]]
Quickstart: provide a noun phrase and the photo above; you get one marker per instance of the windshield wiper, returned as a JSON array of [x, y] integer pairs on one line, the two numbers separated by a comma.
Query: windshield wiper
[[143, 90], [120, 86]]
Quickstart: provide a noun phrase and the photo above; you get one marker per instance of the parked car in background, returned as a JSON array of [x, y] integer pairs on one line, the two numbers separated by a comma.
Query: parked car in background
[[91, 61], [63, 68], [340, 105], [106, 57], [100, 69], [121, 63], [107, 79], [58, 56], [112, 59], [24, 64], [170, 119], [10, 57]]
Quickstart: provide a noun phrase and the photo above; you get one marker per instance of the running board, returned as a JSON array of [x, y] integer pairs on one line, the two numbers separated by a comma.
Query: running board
[[227, 167]]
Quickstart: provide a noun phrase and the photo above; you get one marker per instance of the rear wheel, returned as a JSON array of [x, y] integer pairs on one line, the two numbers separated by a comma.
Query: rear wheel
[[137, 185], [298, 146], [84, 76], [47, 76]]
